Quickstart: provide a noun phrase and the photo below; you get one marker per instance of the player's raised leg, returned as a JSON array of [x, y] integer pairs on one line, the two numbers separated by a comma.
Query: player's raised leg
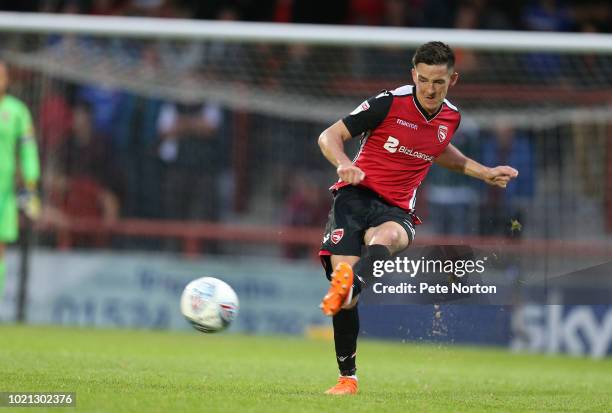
[[340, 286], [352, 273], [382, 241]]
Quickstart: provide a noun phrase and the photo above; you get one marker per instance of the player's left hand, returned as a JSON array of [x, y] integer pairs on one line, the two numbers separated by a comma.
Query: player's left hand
[[500, 175], [29, 202]]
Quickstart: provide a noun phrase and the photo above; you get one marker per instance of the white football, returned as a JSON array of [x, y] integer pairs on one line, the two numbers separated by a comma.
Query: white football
[[209, 304]]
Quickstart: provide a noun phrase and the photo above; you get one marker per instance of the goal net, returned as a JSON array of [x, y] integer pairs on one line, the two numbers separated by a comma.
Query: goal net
[[217, 121]]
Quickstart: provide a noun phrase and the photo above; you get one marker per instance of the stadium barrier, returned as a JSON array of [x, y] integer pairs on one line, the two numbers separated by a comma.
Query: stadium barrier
[[142, 290], [192, 234]]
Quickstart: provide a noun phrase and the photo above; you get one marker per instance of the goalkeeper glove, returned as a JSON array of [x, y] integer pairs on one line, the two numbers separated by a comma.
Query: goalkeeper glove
[[29, 202]]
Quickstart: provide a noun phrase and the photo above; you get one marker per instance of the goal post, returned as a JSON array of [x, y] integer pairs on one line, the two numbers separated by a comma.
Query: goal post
[[312, 34]]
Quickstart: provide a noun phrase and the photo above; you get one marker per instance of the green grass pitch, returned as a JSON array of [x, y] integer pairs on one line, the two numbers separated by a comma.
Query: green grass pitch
[[148, 371]]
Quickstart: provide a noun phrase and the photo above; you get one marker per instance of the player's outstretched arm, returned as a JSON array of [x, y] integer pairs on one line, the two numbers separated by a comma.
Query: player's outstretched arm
[[453, 159], [331, 142]]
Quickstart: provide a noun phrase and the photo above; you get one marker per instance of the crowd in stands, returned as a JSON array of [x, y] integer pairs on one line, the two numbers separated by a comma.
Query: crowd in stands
[[111, 153]]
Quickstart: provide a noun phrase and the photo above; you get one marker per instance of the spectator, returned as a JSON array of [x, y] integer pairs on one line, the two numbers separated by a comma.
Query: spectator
[[453, 198], [107, 7], [76, 183], [439, 13], [468, 18], [546, 15], [85, 152], [395, 13], [191, 152], [221, 57], [500, 15], [150, 8], [135, 144], [55, 117], [376, 61], [305, 206], [500, 208], [366, 12], [180, 57], [103, 100]]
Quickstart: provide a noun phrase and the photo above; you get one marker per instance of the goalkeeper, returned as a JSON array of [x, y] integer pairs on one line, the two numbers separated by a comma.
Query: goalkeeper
[[17, 147]]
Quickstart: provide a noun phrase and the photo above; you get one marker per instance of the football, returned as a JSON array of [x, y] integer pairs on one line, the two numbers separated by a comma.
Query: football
[[209, 304]]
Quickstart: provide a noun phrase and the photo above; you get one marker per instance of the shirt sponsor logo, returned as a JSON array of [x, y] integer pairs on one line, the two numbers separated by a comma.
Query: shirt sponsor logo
[[392, 145], [407, 124]]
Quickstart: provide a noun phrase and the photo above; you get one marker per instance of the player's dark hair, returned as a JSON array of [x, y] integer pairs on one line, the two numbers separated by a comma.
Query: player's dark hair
[[434, 53]]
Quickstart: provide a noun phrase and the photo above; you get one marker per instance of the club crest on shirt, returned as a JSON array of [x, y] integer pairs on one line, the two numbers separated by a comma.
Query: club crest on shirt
[[337, 235], [442, 133], [364, 106]]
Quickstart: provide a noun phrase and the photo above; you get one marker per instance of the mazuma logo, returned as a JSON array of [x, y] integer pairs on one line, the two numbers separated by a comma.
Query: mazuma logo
[[392, 145]]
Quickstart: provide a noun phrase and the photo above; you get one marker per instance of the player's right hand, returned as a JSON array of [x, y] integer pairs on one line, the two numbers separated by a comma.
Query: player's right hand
[[500, 176], [350, 173]]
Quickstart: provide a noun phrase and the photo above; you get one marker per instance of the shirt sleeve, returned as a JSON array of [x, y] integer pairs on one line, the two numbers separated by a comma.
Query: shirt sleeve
[[368, 115], [28, 152]]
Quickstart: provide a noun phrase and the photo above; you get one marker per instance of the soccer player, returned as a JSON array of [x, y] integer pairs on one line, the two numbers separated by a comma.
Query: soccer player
[[404, 132], [16, 136]]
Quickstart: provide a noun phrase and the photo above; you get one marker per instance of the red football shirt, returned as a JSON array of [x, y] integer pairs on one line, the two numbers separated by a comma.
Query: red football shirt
[[399, 144]]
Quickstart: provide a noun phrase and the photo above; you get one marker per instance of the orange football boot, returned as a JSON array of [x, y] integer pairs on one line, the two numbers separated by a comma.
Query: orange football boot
[[345, 385], [340, 290]]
